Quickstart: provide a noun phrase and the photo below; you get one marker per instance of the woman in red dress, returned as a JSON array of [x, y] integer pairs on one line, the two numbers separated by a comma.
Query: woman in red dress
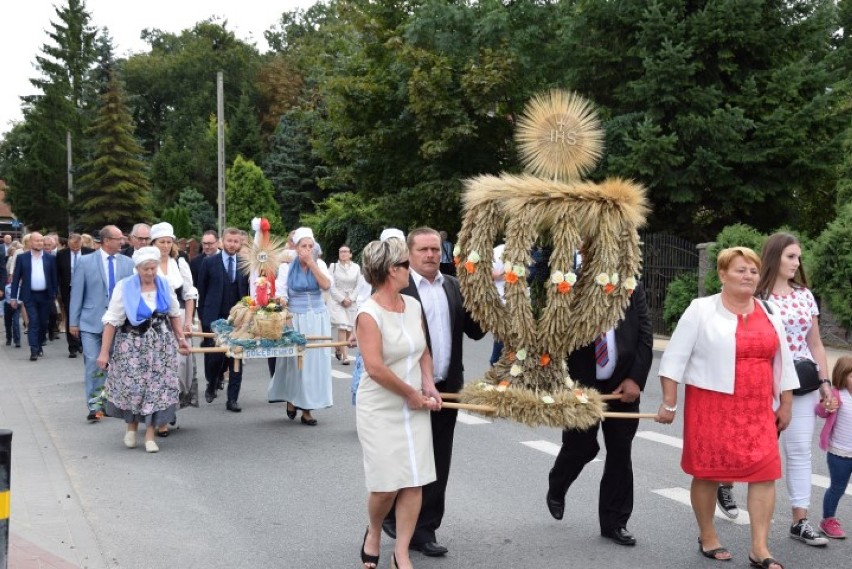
[[730, 351]]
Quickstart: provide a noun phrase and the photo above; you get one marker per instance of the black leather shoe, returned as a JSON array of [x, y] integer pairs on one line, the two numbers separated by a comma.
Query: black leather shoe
[[389, 529], [556, 507], [429, 548], [233, 406], [221, 385], [209, 396], [33, 357], [41, 353], [620, 536], [72, 354]]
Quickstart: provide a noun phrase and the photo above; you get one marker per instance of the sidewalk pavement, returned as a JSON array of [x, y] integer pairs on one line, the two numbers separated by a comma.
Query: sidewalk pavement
[[48, 525]]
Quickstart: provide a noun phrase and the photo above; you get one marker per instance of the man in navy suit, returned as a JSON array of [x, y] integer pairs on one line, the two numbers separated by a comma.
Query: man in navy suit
[[220, 287], [91, 289], [34, 283], [617, 362]]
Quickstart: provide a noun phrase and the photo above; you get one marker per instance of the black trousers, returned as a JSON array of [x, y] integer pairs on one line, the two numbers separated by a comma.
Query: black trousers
[[435, 493], [615, 502], [215, 365]]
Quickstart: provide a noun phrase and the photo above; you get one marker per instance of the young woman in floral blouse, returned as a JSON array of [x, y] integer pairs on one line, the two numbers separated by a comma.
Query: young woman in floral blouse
[[783, 282]]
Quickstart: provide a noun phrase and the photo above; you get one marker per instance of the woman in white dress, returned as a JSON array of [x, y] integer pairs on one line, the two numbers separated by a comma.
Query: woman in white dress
[[177, 273], [300, 285], [343, 297], [395, 394]]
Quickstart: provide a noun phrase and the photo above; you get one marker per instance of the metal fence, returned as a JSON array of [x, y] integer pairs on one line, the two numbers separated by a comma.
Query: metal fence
[[664, 258]]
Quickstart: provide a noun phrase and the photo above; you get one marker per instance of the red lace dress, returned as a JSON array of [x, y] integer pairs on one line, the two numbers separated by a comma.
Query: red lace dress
[[733, 437]]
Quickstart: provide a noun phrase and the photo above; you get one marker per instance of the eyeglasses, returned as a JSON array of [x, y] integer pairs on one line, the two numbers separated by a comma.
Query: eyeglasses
[[404, 264], [142, 237], [206, 244]]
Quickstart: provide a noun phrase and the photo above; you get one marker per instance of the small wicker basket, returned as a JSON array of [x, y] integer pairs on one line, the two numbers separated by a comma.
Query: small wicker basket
[[268, 325]]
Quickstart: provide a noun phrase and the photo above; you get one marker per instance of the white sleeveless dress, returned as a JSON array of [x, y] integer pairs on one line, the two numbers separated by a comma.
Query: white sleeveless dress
[[396, 441]]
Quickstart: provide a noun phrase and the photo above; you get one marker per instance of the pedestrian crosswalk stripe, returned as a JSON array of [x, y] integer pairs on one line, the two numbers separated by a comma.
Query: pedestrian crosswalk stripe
[[681, 495], [825, 482], [547, 447], [469, 419], [660, 438], [341, 374]]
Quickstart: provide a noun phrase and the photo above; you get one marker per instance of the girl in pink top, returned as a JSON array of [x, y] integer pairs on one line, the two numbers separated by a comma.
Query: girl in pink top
[[836, 439]]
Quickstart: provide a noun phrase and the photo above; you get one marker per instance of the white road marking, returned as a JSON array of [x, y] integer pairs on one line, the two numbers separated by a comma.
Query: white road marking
[[548, 447], [681, 495], [341, 374], [469, 419], [825, 482], [660, 438]]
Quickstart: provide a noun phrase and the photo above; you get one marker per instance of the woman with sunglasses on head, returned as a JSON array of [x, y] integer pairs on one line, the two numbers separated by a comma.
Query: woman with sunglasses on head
[[394, 427]]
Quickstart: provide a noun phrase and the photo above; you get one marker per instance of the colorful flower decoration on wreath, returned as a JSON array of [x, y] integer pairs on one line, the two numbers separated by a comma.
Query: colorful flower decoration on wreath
[[563, 282], [472, 259], [608, 282]]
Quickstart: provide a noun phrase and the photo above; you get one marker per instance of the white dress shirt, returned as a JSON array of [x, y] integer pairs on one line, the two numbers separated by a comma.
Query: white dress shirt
[[436, 307]]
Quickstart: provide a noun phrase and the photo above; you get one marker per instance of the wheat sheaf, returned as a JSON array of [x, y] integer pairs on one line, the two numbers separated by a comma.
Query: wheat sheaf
[[559, 136]]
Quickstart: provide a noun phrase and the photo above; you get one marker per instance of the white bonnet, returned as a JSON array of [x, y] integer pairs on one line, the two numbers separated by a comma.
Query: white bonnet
[[301, 233], [163, 229], [146, 254], [392, 232]]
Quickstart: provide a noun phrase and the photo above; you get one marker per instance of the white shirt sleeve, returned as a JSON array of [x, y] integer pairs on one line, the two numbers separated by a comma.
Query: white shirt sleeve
[[189, 290]]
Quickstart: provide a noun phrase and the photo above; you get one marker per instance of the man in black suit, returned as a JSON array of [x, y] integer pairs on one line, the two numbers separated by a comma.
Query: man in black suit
[[220, 287], [618, 362], [446, 322], [209, 246], [66, 263], [140, 236]]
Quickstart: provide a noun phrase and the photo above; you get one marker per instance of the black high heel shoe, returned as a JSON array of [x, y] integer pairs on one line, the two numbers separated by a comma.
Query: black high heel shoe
[[365, 557], [291, 411]]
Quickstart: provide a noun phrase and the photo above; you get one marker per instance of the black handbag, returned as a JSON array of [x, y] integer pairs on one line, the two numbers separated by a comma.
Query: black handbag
[[808, 376]]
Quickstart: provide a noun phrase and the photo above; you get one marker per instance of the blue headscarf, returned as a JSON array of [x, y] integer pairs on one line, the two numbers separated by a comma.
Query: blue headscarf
[[135, 308]]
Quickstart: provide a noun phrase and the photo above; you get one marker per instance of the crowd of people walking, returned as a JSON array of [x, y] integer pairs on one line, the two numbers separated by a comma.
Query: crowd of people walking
[[754, 367]]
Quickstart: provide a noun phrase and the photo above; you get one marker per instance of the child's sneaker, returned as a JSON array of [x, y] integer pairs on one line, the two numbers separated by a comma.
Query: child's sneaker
[[831, 528]]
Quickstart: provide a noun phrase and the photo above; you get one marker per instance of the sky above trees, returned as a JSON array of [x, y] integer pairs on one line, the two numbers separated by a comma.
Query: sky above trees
[[23, 25]]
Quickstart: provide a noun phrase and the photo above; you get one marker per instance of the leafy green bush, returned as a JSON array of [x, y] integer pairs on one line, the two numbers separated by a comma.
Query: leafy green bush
[[832, 266], [347, 218], [680, 292]]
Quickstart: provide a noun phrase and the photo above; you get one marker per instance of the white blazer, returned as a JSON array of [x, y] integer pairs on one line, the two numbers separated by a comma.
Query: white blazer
[[702, 350]]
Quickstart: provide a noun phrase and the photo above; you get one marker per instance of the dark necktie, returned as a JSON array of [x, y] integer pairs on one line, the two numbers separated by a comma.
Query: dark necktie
[[231, 274], [601, 355], [111, 274]]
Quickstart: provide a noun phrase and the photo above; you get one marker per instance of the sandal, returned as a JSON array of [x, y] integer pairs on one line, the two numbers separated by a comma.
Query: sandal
[[765, 564], [366, 559], [715, 553], [291, 411], [163, 433]]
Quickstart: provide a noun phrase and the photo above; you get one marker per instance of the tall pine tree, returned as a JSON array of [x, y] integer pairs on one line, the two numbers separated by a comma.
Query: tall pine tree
[[115, 187]]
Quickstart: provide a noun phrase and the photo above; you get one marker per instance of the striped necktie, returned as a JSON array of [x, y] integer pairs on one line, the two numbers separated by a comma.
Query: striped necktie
[[601, 352]]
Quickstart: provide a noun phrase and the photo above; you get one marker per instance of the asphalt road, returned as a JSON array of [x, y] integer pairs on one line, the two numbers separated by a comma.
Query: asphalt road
[[257, 490]]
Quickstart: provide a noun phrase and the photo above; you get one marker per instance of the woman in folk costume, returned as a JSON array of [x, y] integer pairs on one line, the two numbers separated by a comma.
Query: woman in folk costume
[[177, 273], [301, 284], [144, 319]]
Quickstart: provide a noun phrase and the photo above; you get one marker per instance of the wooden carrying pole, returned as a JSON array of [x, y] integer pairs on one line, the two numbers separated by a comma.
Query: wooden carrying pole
[[488, 409]]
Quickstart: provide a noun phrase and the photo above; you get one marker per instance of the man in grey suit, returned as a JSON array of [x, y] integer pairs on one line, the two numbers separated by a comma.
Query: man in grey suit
[[91, 289]]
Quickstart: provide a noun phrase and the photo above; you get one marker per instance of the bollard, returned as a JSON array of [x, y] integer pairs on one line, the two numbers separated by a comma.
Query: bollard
[[5, 494]]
